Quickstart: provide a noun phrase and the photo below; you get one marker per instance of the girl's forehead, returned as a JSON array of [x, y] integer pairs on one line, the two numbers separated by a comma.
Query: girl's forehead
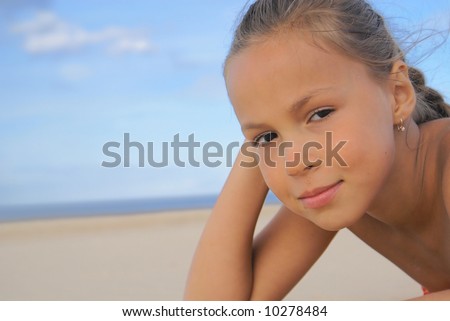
[[293, 61], [295, 42], [277, 74], [290, 56]]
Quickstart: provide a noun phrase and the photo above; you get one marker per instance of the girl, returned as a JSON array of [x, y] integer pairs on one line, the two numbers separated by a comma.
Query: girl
[[346, 134]]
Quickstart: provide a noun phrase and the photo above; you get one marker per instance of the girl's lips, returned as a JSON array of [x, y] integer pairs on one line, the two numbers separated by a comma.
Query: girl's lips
[[321, 196]]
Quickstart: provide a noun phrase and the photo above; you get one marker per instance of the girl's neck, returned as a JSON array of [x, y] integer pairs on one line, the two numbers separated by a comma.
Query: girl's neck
[[401, 202]]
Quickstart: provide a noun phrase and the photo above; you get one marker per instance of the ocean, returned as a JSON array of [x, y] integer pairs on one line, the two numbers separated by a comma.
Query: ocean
[[109, 207]]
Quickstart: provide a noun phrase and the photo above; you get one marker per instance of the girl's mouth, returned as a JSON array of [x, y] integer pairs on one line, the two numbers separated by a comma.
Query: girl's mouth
[[320, 196]]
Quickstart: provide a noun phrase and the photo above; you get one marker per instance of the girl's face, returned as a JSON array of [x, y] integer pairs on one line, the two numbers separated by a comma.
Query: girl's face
[[328, 121]]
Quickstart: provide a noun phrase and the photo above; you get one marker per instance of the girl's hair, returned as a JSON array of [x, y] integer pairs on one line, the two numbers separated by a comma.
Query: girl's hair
[[352, 27]]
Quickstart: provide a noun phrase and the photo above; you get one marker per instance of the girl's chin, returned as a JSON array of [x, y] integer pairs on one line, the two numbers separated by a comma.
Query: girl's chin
[[337, 223], [329, 220], [332, 226]]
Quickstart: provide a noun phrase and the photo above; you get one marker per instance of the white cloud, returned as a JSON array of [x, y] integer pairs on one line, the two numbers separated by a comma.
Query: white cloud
[[132, 45], [47, 33], [74, 72]]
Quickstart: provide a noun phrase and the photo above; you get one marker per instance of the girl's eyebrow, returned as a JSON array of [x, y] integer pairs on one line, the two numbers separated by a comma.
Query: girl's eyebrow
[[295, 107], [252, 126]]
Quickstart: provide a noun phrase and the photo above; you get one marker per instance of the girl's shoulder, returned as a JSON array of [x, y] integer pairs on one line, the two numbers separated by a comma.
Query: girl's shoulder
[[437, 133], [443, 139], [441, 134], [436, 136]]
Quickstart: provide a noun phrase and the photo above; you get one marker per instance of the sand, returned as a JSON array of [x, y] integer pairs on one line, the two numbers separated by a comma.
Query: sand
[[147, 257]]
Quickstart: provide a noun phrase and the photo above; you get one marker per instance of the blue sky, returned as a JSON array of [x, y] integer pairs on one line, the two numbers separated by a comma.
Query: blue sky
[[78, 74]]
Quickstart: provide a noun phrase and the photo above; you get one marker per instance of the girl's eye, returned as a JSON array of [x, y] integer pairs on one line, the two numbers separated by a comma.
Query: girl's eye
[[264, 139], [320, 114]]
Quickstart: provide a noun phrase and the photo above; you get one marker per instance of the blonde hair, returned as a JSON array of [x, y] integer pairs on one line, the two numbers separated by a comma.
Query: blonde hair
[[352, 27]]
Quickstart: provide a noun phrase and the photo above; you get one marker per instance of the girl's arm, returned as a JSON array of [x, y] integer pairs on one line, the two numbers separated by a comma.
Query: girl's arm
[[228, 266], [222, 267]]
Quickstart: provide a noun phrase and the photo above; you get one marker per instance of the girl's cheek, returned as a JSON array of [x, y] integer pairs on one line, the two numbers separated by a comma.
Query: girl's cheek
[[267, 173], [273, 175]]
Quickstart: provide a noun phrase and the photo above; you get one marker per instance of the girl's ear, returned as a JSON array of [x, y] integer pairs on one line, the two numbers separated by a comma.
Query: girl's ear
[[402, 91]]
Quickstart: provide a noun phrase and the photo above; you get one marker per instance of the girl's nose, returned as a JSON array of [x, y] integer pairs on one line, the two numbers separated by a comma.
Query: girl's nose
[[300, 159]]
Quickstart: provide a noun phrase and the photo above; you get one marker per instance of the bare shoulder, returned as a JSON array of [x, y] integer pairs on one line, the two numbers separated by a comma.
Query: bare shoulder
[[444, 131], [444, 159], [436, 135]]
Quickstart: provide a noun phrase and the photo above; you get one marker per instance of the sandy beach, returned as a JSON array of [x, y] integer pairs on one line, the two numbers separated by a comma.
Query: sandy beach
[[147, 257]]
